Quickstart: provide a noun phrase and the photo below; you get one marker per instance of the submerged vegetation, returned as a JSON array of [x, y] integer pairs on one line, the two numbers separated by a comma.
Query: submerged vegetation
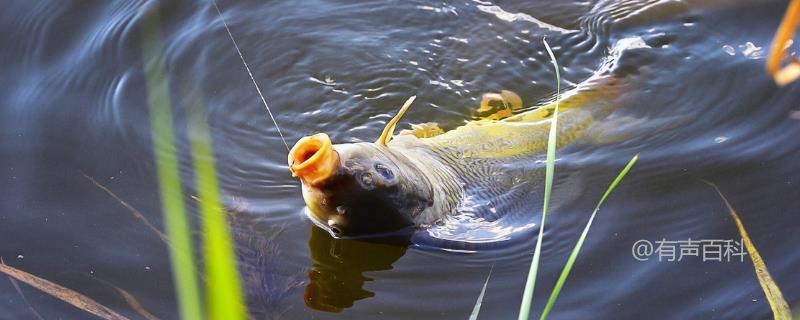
[[72, 297]]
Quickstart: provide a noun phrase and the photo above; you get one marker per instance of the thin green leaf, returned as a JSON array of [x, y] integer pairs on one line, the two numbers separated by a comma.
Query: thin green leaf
[[223, 286], [169, 180], [527, 296], [477, 309], [577, 249]]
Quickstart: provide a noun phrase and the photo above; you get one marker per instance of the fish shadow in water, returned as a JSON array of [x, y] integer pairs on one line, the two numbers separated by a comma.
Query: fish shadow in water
[[336, 278]]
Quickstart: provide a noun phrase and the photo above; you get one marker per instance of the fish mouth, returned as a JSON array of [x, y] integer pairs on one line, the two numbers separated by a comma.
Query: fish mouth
[[313, 159]]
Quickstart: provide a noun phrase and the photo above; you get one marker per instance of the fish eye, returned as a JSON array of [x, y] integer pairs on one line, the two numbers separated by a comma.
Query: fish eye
[[384, 171], [366, 179]]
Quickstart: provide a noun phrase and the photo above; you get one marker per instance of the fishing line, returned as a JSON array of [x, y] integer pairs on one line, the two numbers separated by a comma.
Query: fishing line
[[225, 23]]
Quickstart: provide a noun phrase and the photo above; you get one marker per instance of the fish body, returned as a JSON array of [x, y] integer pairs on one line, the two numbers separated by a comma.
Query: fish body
[[483, 159], [412, 181]]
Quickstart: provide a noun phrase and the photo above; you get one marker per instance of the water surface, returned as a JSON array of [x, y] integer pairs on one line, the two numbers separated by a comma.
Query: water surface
[[74, 103]]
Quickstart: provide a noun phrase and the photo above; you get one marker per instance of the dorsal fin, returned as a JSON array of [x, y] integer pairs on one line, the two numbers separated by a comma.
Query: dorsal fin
[[386, 135]]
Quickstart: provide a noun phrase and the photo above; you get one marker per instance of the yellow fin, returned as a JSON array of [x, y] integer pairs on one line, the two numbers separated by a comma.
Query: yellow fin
[[509, 102], [386, 135], [513, 99], [424, 130]]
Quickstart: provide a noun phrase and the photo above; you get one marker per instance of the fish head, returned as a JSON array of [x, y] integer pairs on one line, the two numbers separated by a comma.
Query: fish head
[[359, 189]]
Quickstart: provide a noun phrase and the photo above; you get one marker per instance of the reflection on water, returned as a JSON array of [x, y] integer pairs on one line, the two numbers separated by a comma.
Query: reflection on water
[[336, 279], [72, 100]]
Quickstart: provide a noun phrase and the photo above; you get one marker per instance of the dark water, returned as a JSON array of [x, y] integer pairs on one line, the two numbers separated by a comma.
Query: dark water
[[73, 100]]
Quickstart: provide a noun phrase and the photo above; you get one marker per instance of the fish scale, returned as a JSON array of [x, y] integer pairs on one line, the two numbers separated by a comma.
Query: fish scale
[[475, 183], [493, 169]]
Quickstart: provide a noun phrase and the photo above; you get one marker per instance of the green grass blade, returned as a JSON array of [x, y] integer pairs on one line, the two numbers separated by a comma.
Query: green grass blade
[[577, 249], [527, 296], [169, 181], [477, 309], [223, 286]]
